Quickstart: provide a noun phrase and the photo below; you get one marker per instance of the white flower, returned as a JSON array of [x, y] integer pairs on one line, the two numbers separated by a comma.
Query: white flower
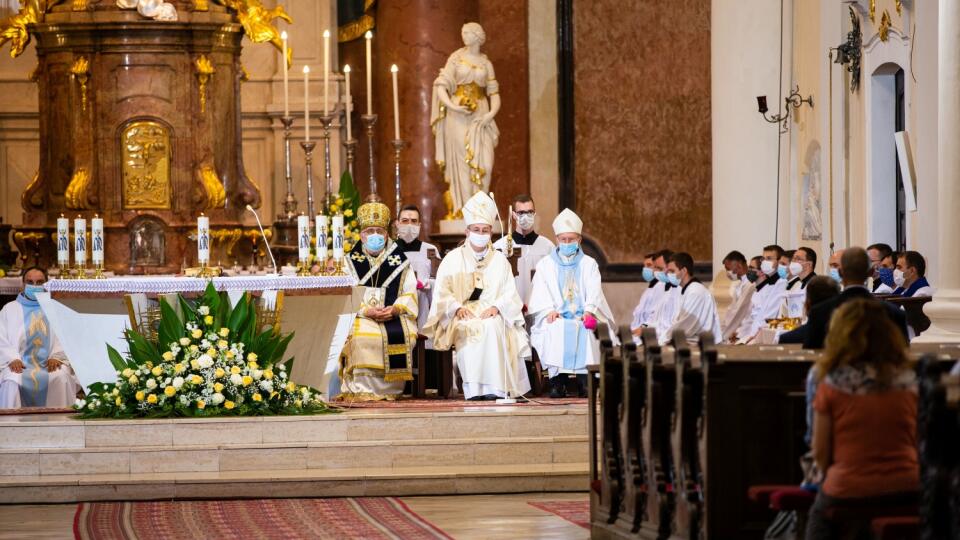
[[236, 379], [205, 361], [282, 367], [81, 403], [266, 385], [205, 344], [151, 383], [217, 398], [257, 374], [203, 310], [178, 382], [184, 341]]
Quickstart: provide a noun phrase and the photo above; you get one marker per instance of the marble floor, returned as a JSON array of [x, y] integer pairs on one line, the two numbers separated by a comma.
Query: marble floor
[[464, 517]]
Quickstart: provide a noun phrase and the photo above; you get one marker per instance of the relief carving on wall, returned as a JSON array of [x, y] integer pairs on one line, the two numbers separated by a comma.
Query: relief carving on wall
[[145, 147], [812, 202]]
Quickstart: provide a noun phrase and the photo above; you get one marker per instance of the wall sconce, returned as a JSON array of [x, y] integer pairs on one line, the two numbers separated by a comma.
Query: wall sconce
[[848, 52], [794, 100]]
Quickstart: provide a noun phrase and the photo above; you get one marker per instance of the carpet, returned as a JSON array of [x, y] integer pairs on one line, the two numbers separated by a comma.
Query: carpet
[[35, 410], [576, 512], [341, 518], [454, 403]]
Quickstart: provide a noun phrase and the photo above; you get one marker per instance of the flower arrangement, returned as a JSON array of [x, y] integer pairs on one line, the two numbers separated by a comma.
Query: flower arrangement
[[209, 360], [347, 203]]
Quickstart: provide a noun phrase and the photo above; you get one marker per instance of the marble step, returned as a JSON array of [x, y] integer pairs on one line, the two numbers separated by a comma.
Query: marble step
[[365, 481], [293, 456]]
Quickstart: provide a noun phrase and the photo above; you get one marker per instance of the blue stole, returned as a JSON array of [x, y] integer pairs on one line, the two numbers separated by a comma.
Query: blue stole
[[571, 311], [36, 330]]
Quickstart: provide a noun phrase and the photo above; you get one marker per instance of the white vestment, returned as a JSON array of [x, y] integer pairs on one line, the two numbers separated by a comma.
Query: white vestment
[[490, 352], [667, 311], [739, 309], [422, 267], [697, 313], [765, 304], [564, 345], [529, 257], [61, 386], [646, 310], [794, 299]]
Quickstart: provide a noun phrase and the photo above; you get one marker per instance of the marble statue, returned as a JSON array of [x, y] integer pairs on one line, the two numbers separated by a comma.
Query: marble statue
[[153, 9], [465, 101], [812, 206]]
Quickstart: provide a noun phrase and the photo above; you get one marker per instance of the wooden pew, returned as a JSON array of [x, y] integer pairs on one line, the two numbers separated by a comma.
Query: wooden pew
[[611, 476], [633, 410], [690, 372], [659, 414], [939, 436]]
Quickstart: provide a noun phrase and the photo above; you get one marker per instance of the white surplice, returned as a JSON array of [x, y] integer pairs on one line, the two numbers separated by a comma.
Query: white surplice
[[645, 312], [422, 267], [667, 311], [739, 309], [697, 313], [529, 257], [764, 305], [551, 339], [490, 352]]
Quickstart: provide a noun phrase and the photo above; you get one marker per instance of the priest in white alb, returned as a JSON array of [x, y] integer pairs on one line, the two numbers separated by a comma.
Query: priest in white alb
[[697, 310], [566, 303], [532, 246], [477, 311]]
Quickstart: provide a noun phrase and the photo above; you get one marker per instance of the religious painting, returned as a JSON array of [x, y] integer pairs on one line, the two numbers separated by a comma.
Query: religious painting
[[145, 147], [812, 203], [147, 243]]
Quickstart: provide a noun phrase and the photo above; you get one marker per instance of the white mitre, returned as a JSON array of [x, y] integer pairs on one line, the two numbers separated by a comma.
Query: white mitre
[[567, 222], [480, 209]]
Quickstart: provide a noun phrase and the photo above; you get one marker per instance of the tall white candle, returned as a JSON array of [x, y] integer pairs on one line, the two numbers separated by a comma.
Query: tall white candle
[[80, 241], [96, 240], [303, 236], [396, 103], [321, 221], [337, 231], [348, 101], [306, 103], [326, 72], [63, 241], [286, 77], [203, 240], [369, 39]]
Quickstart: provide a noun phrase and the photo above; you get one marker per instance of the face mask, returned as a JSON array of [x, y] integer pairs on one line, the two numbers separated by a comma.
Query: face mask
[[886, 276], [525, 221], [795, 268], [30, 291], [479, 240], [660, 276], [673, 279], [768, 268], [408, 233], [732, 276], [782, 271], [752, 276], [835, 274], [375, 242], [568, 250], [898, 278], [647, 274]]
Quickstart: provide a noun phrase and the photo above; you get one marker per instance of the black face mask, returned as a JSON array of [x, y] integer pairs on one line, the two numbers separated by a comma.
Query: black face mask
[[752, 276]]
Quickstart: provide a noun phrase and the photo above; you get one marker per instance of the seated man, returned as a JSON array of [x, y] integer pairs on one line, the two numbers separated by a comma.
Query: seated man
[[566, 301], [769, 297], [819, 289], [34, 371], [697, 312], [801, 272], [418, 253], [834, 266], [532, 246], [742, 292], [882, 262], [377, 358], [477, 310], [643, 315], [910, 275]]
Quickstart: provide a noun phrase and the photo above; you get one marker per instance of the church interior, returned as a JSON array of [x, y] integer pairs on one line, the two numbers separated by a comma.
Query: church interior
[[480, 269]]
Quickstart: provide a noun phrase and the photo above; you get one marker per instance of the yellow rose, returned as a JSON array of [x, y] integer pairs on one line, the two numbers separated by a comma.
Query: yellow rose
[[194, 364], [211, 352], [194, 348], [127, 372], [298, 403], [139, 396], [118, 402], [222, 344], [219, 373], [149, 365], [252, 357], [184, 341], [133, 380], [268, 374], [179, 368], [229, 354], [235, 369], [274, 393], [218, 387], [168, 356], [257, 397], [252, 365], [291, 387], [169, 391], [152, 398], [196, 379], [348, 213], [228, 405], [208, 319], [201, 404], [197, 334], [157, 371], [224, 332], [339, 200], [247, 380]]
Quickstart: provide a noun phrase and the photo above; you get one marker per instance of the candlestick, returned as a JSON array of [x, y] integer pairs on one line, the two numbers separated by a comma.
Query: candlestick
[[303, 244], [308, 147], [97, 245], [369, 40], [351, 146], [80, 245], [326, 121], [326, 72], [286, 76], [321, 226], [306, 103], [396, 103], [348, 102], [397, 147], [290, 201], [63, 246], [369, 120]]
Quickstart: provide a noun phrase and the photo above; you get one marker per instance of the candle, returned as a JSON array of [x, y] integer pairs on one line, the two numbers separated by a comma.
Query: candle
[[326, 72], [337, 238], [348, 101], [203, 240], [369, 38], [80, 241], [321, 221], [303, 234], [306, 103], [286, 77], [63, 242], [396, 104], [96, 238]]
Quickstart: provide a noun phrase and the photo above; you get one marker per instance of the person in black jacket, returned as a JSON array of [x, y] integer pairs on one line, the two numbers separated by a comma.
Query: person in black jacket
[[819, 289], [854, 271]]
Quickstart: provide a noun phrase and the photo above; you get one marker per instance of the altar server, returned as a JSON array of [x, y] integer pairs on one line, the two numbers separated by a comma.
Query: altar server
[[418, 253], [768, 298], [377, 359], [741, 293], [697, 312], [477, 310], [34, 371], [800, 272], [566, 302], [533, 247], [654, 273]]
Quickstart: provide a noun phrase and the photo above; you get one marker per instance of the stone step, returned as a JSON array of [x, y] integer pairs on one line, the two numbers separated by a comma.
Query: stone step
[[364, 481], [293, 456]]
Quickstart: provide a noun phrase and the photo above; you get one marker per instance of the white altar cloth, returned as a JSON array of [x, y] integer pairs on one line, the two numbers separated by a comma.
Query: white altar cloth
[[171, 284]]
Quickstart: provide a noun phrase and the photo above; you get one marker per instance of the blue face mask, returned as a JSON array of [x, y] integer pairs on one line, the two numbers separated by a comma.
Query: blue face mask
[[661, 276], [782, 270], [886, 277], [835, 274], [673, 279], [375, 242], [30, 291], [647, 274], [569, 250]]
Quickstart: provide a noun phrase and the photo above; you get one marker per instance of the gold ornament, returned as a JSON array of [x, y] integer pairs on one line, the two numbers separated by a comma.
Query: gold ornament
[[373, 214], [899, 4], [80, 72], [14, 28], [80, 5], [205, 70], [201, 5], [213, 191], [76, 194], [885, 24], [257, 22], [145, 149], [32, 198], [873, 11]]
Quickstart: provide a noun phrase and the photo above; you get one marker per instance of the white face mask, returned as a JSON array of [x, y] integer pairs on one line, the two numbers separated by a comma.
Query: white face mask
[[732, 276], [898, 278], [478, 240], [796, 269], [768, 267], [408, 233], [525, 222]]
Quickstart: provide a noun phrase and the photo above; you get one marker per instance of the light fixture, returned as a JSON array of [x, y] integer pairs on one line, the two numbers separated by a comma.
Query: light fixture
[[848, 52], [794, 100]]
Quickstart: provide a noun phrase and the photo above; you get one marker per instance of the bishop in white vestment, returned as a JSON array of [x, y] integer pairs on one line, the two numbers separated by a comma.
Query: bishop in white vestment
[[477, 311], [697, 311], [566, 302]]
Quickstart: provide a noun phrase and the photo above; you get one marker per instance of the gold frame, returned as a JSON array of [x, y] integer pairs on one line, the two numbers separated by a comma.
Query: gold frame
[[145, 175]]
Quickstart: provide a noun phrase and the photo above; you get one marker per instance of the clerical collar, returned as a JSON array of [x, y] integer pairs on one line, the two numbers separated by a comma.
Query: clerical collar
[[410, 246], [804, 281], [692, 280], [771, 279], [524, 239], [653, 283]]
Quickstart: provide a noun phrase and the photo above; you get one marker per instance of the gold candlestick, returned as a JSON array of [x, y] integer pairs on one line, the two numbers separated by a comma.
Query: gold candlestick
[[398, 145], [290, 201], [369, 121]]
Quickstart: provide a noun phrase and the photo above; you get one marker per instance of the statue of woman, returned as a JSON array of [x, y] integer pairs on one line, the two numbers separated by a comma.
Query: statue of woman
[[465, 100]]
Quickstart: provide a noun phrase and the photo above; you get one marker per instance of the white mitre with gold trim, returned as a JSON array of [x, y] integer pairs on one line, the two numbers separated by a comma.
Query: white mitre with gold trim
[[567, 222], [480, 209]]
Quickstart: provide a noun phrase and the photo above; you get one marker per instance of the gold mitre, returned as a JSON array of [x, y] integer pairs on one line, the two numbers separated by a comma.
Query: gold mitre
[[373, 214]]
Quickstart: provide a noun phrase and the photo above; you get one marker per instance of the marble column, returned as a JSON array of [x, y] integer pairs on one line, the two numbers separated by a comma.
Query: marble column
[[944, 311]]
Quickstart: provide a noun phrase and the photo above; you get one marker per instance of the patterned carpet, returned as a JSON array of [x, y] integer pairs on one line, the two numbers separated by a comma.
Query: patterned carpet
[[455, 403], [576, 512], [346, 518]]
